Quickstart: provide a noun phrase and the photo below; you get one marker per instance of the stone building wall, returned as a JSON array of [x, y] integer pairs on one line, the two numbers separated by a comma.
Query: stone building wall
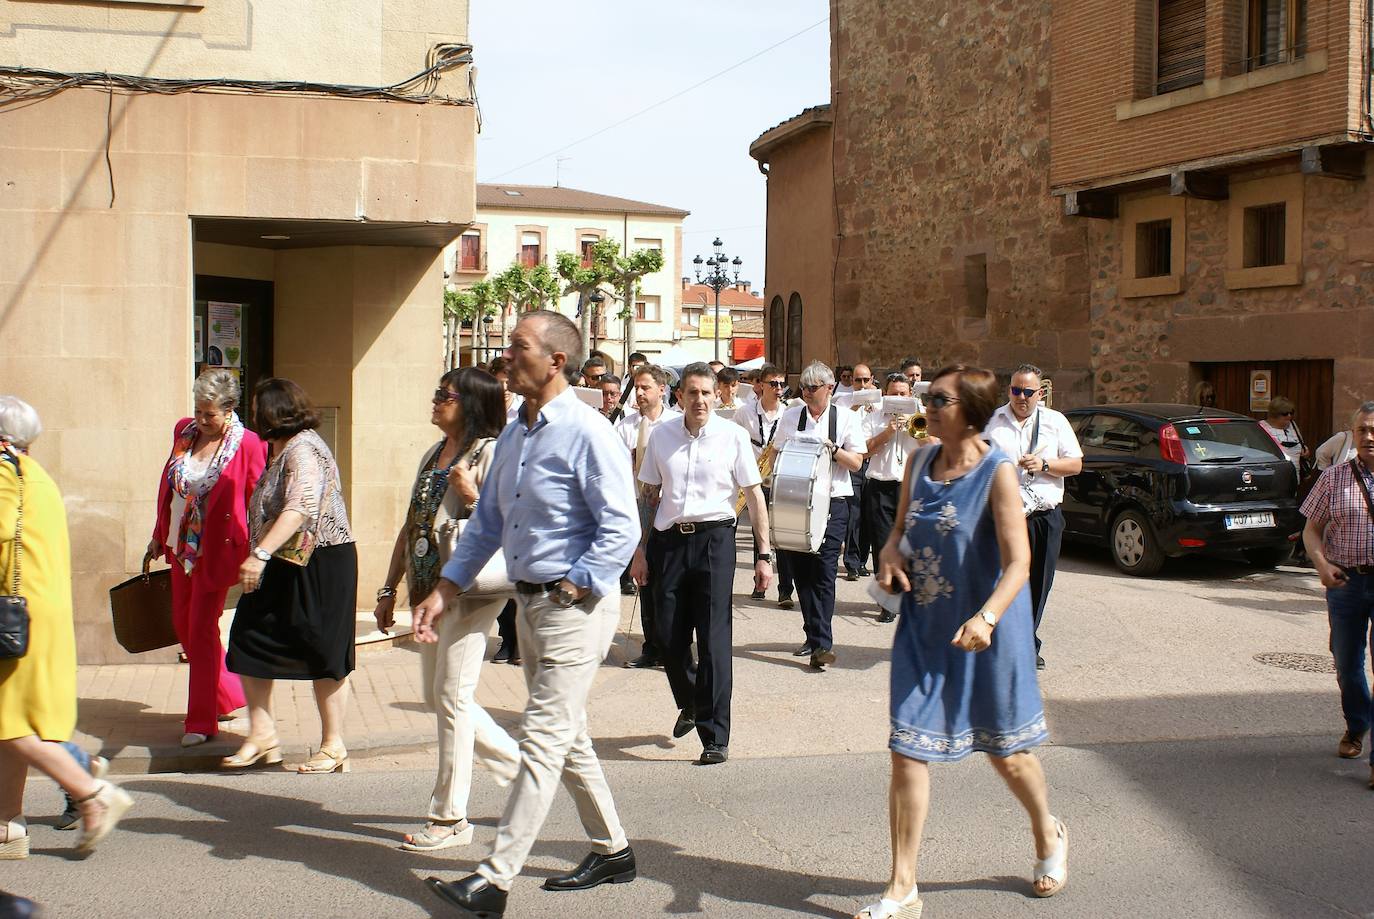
[[942, 120]]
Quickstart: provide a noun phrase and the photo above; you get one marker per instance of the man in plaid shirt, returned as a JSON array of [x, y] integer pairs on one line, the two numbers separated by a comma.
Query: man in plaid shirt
[[1339, 537]]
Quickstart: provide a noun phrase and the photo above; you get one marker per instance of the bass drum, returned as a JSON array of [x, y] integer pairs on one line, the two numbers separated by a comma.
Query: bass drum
[[800, 504]]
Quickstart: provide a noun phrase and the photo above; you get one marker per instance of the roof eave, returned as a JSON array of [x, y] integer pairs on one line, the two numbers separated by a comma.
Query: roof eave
[[809, 120]]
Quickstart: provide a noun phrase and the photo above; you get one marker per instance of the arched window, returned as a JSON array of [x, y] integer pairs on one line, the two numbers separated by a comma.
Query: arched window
[[777, 327], [794, 334]]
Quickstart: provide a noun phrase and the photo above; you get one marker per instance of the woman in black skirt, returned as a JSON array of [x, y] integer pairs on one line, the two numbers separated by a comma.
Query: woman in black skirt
[[300, 582]]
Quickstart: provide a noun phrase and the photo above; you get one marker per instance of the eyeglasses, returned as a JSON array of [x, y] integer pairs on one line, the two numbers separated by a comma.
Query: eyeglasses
[[444, 395], [814, 387], [863, 379], [776, 384], [1027, 392], [940, 400]]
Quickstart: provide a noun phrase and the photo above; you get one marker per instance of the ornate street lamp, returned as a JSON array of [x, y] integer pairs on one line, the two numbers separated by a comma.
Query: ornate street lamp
[[718, 277]]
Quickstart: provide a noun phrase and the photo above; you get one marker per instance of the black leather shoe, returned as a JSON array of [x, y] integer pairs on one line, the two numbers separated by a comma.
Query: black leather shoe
[[784, 601], [16, 907], [820, 657], [851, 574], [502, 654], [643, 662], [864, 572], [627, 588], [1039, 662], [758, 595], [804, 650], [714, 754], [887, 616], [597, 869], [686, 721], [474, 894]]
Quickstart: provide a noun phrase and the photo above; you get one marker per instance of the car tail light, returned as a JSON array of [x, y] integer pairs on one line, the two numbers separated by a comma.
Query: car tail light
[[1171, 445], [1192, 543]]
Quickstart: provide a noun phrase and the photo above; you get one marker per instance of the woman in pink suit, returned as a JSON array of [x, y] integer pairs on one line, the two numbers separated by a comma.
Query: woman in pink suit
[[202, 532]]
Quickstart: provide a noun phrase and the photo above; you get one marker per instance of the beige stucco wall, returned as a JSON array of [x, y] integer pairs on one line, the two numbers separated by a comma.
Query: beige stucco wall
[[96, 295], [359, 42]]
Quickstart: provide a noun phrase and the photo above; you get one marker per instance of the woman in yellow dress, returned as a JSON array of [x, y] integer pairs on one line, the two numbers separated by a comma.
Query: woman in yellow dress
[[38, 690]]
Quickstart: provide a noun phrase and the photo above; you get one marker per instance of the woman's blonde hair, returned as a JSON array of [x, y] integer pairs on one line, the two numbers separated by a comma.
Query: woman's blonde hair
[[1280, 405]]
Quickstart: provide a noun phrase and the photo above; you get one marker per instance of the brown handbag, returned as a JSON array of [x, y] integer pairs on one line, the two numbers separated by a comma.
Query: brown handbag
[[141, 608]]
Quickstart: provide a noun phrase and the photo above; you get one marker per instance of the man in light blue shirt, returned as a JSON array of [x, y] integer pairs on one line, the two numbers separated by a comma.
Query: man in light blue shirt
[[559, 501]]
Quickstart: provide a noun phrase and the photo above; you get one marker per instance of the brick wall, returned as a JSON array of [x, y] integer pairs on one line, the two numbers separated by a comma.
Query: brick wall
[[1103, 56], [942, 152]]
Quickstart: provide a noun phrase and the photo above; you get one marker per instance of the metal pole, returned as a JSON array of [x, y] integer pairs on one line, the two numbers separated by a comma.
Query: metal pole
[[715, 324]]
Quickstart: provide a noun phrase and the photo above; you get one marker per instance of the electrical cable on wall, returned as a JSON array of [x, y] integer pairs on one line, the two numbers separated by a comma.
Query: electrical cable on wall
[[30, 84]]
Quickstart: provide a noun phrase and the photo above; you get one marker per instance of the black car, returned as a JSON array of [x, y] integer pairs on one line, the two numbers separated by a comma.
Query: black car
[[1161, 481]]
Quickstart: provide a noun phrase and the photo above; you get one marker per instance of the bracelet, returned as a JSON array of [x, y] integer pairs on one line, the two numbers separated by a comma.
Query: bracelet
[[386, 593]]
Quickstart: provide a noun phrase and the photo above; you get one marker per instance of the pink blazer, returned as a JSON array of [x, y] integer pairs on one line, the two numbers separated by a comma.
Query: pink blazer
[[224, 543]]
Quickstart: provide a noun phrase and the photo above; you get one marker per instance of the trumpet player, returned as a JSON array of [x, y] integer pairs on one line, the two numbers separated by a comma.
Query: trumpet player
[[1046, 452], [856, 545], [889, 444], [760, 422], [817, 418]]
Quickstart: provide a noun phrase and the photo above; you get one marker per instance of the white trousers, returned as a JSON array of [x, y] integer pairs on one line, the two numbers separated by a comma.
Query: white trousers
[[449, 671], [561, 649]]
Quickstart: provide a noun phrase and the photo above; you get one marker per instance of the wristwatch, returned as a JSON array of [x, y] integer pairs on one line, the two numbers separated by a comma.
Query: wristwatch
[[989, 617], [564, 597], [1044, 465], [766, 557], [261, 554]]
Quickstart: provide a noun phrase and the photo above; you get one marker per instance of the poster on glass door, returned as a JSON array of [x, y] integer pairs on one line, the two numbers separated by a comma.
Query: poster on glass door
[[224, 338]]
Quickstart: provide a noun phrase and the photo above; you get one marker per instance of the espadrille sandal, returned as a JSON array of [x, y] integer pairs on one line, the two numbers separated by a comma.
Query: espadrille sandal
[[114, 802], [909, 907], [1055, 866], [16, 844]]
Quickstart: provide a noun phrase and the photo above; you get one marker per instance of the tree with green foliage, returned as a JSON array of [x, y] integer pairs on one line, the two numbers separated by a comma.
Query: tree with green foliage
[[526, 288], [628, 270], [585, 280], [472, 306]]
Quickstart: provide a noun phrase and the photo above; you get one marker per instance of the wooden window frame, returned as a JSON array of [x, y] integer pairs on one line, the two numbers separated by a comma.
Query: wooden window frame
[[796, 324], [520, 231], [480, 231], [641, 308], [1294, 45], [1281, 189]]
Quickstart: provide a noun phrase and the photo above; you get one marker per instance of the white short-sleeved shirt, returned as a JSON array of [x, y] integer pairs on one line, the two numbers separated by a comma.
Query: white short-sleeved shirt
[[888, 462], [513, 411], [847, 434], [627, 428], [1288, 439], [1055, 440], [699, 476], [758, 424]]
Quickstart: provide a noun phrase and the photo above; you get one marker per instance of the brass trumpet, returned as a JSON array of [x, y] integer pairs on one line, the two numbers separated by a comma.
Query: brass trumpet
[[916, 426]]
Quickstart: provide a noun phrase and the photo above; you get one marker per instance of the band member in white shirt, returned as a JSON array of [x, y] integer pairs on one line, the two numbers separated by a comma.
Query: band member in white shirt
[[651, 384], [1046, 451], [727, 384], [856, 545], [817, 419], [844, 380], [760, 422], [889, 445], [692, 471], [911, 369]]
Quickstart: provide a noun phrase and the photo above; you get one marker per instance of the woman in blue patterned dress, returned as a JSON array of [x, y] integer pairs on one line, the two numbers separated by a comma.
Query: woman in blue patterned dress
[[960, 554]]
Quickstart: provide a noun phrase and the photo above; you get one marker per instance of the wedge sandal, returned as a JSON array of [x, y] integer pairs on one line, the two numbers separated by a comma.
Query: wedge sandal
[[16, 844], [909, 907], [1055, 866], [436, 836]]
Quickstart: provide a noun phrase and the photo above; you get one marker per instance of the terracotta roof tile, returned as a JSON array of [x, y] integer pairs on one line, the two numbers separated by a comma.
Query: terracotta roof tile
[[692, 294], [559, 198]]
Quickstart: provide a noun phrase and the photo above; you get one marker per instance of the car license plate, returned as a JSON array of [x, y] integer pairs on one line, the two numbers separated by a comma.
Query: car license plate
[[1249, 521]]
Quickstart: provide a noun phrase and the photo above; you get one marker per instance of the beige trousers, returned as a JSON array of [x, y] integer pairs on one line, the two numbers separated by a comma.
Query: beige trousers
[[449, 670], [562, 649]]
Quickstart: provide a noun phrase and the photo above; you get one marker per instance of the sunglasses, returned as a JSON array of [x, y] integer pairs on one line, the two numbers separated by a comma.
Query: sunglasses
[[444, 395], [816, 387], [863, 379], [940, 400], [776, 384], [1028, 393]]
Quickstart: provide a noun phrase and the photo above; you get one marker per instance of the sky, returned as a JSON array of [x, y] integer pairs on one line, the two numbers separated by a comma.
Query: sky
[[551, 72]]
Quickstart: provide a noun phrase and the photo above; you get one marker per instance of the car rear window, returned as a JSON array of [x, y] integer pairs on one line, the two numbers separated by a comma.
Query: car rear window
[[1223, 441]]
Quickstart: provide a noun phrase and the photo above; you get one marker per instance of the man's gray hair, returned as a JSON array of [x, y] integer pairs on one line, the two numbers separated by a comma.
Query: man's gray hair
[[217, 386], [19, 422], [817, 374], [558, 333], [1366, 408], [699, 369]]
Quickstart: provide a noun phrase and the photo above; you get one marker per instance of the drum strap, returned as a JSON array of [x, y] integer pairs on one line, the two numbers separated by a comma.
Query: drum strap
[[834, 421]]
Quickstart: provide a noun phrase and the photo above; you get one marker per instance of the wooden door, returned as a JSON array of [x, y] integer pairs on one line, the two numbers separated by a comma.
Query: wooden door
[[1309, 384]]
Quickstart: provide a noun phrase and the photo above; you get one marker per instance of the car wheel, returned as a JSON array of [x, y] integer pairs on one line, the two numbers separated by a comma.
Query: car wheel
[[1269, 556], [1135, 548]]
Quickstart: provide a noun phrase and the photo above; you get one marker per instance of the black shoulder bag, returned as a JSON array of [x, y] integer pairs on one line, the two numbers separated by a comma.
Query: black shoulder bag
[[14, 609]]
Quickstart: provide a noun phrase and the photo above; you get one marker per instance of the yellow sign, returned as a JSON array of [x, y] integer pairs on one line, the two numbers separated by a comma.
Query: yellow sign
[[707, 329], [1261, 384]]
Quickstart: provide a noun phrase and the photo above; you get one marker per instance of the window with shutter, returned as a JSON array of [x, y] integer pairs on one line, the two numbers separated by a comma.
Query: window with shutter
[[1181, 44]]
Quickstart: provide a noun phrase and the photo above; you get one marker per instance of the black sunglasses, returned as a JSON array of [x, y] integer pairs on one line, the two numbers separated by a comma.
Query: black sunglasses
[[813, 388], [444, 395], [940, 400], [1027, 392], [776, 384]]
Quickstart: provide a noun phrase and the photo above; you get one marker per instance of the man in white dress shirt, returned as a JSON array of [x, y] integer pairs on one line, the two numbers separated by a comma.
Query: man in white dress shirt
[[817, 419], [692, 471], [650, 387], [889, 446], [856, 546], [760, 422], [1042, 444]]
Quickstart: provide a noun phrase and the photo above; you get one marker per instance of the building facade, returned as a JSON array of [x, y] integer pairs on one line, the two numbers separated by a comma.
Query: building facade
[[530, 224], [739, 337], [1138, 197], [289, 219]]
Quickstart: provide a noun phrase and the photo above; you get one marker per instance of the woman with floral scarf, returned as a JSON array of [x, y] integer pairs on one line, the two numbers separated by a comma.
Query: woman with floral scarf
[[202, 532]]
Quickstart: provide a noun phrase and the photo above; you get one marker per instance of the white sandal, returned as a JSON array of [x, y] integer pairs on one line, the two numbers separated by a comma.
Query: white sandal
[[1055, 866], [16, 844], [907, 908], [114, 803], [436, 836]]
